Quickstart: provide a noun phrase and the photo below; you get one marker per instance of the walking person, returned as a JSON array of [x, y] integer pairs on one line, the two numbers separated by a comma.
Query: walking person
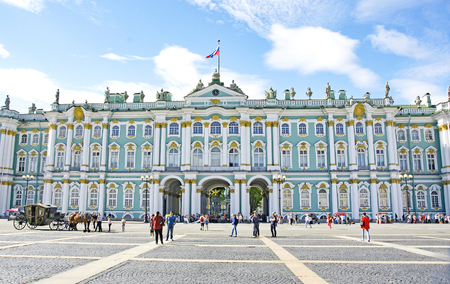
[[123, 223], [109, 224], [255, 221], [365, 225], [347, 220], [234, 223], [152, 230], [310, 220], [207, 222], [99, 222], [202, 222], [296, 219], [158, 223], [171, 221], [273, 225], [329, 219]]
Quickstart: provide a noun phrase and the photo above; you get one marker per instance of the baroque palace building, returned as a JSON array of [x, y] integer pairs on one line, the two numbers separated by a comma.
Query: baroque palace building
[[339, 154]]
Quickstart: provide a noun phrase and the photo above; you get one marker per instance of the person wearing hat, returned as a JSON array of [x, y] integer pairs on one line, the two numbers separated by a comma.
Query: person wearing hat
[[273, 225]]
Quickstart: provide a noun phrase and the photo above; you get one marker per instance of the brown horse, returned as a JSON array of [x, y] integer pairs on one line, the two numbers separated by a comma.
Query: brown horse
[[78, 218]]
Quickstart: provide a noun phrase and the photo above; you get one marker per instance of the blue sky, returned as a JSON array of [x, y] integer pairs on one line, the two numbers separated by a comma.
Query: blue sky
[[82, 47]]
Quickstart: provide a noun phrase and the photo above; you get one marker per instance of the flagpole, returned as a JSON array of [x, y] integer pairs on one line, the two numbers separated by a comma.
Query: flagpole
[[218, 57]]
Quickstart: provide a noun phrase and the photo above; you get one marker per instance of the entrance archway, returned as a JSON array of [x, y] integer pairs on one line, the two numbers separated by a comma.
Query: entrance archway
[[215, 197], [172, 196], [259, 187]]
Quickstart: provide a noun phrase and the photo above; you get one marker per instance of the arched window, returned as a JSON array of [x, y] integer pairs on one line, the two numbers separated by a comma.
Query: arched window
[[115, 130], [128, 198], [285, 129], [339, 128], [74, 197], [131, 130], [57, 197], [428, 135], [79, 131], [401, 135], [343, 198], [62, 131], [257, 128], [145, 198], [93, 197], [76, 161], [30, 196], [319, 129], [97, 131], [364, 198], [323, 198], [361, 157], [302, 128], [304, 199], [415, 135], [215, 157], [112, 197], [173, 157], [233, 128], [35, 139], [216, 128], [197, 158], [198, 128], [287, 198], [383, 198], [421, 201], [174, 129], [359, 128], [258, 157], [234, 157], [148, 130], [378, 128], [435, 199], [18, 197], [24, 139]]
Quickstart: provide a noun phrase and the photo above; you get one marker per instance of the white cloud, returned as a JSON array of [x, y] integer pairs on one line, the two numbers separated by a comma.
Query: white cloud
[[409, 89], [113, 56], [3, 52], [392, 41], [34, 6], [309, 50], [375, 9]]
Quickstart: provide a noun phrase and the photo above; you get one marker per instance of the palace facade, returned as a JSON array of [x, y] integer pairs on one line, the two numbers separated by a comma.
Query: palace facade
[[338, 154]]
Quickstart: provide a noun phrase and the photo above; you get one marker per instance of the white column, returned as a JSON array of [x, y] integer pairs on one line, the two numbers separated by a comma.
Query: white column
[[269, 145], [206, 142], [156, 139], [331, 144], [394, 193], [248, 148], [245, 195], [102, 195], [334, 196], [187, 159], [105, 135], [234, 196], [4, 196], [370, 147], [162, 158], [83, 193], [355, 198], [12, 151], [6, 150], [276, 146], [2, 149], [51, 145], [391, 150], [183, 145], [444, 145], [196, 198], [86, 142], [374, 195], [69, 143], [243, 145], [186, 198], [225, 144], [65, 193], [275, 201], [351, 142], [157, 197], [446, 198]]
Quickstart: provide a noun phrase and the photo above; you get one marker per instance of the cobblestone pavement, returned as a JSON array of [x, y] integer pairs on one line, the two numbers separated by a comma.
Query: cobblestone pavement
[[398, 253]]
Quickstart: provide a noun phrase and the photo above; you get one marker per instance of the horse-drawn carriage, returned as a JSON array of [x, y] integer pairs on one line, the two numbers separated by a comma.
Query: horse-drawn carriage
[[39, 215]]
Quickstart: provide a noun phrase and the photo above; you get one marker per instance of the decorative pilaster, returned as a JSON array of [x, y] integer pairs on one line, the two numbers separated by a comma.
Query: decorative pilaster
[[83, 192], [269, 144], [331, 140], [162, 158], [86, 143], [351, 141], [186, 200], [105, 135], [65, 193], [156, 140], [373, 195], [51, 144], [334, 195], [69, 143], [369, 124], [225, 144], [244, 142], [102, 194], [196, 194], [183, 145], [206, 144], [276, 144], [391, 150]]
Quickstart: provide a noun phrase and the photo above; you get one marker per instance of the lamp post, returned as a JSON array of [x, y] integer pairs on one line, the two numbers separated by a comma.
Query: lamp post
[[279, 180], [405, 178], [146, 179], [27, 178]]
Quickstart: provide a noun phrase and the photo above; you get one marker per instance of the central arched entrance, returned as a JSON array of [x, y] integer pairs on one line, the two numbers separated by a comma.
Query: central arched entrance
[[172, 196], [259, 196], [215, 198]]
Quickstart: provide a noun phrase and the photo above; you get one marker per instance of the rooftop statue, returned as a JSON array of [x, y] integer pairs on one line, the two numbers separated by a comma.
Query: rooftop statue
[[386, 93], [142, 96], [328, 91], [107, 95], [292, 93], [235, 87], [418, 101], [367, 96], [32, 109], [86, 105], [163, 96], [271, 94], [125, 96], [448, 93], [57, 97], [309, 93], [197, 88], [7, 102]]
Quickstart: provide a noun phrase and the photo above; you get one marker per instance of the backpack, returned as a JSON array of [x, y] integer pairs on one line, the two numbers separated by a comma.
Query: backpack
[[235, 220], [202, 219]]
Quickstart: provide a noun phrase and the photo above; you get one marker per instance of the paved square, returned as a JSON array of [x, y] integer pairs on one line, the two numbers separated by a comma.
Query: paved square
[[397, 253]]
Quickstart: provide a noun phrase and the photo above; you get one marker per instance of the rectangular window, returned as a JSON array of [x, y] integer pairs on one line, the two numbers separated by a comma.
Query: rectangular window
[[417, 162], [130, 159], [403, 160], [320, 158], [431, 162], [147, 163], [95, 160], [303, 158], [21, 164], [380, 158], [114, 160], [60, 159], [434, 200], [305, 198], [340, 158], [286, 159], [33, 164], [43, 161]]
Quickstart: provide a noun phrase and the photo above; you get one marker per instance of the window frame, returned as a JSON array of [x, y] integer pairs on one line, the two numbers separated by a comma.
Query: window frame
[[215, 128], [197, 128], [258, 128], [174, 129], [76, 133], [233, 126]]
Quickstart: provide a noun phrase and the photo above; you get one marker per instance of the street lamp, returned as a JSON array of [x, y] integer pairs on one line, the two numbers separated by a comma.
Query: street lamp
[[27, 178], [405, 178], [146, 179], [279, 180]]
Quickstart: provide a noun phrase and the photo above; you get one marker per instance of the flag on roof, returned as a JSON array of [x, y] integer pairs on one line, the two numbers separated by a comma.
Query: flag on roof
[[215, 52]]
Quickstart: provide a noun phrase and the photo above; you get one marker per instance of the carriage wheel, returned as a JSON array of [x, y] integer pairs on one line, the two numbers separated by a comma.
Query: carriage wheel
[[62, 225], [31, 226], [20, 222], [54, 225]]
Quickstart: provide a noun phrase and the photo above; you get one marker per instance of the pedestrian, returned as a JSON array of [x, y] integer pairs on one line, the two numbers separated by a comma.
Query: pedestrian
[[94, 219], [273, 225], [123, 223], [152, 230], [171, 221], [158, 223], [296, 219], [365, 225], [234, 223], [66, 220], [109, 224], [99, 222], [206, 222], [329, 219], [347, 220], [255, 221], [241, 219], [202, 222], [310, 220]]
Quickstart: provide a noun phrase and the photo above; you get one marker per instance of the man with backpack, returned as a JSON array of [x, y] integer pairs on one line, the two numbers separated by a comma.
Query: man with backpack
[[273, 225], [202, 222], [234, 223]]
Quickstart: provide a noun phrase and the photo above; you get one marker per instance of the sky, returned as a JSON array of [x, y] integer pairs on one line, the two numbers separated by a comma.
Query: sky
[[82, 46]]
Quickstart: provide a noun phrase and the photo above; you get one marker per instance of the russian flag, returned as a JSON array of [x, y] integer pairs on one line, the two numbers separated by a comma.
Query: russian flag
[[215, 52]]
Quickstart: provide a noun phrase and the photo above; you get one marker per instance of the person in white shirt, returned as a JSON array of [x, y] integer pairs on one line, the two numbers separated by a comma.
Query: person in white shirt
[[99, 222]]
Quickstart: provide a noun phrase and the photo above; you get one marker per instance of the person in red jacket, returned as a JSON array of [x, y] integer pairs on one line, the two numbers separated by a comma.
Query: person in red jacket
[[365, 225], [158, 223]]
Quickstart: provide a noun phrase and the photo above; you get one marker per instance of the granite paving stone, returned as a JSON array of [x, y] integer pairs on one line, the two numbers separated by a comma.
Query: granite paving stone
[[337, 242]]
